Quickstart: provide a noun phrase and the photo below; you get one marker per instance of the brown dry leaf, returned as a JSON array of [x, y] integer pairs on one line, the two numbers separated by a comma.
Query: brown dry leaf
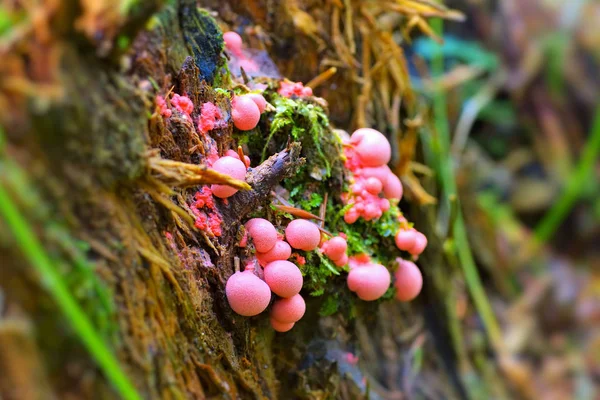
[[178, 174], [297, 212]]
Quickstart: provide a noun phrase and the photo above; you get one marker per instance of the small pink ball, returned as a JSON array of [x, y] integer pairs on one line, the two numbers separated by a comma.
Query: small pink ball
[[244, 112], [281, 251], [233, 42], [281, 326], [420, 244], [405, 239], [263, 234], [247, 294], [351, 216], [380, 173], [373, 185], [342, 261], [409, 280], [384, 204], [392, 189], [372, 211], [259, 100], [288, 310], [232, 167], [284, 278], [303, 235], [372, 147], [370, 282], [335, 248]]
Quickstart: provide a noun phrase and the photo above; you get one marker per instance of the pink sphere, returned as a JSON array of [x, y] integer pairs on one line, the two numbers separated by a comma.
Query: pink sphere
[[288, 310], [335, 248], [284, 278], [281, 251], [384, 204], [259, 100], [263, 234], [281, 326], [392, 188], [303, 235], [370, 282], [420, 244], [232, 167], [373, 185], [409, 280], [351, 216], [342, 261], [372, 147], [405, 239], [372, 211], [244, 112], [233, 42], [380, 173], [247, 294]]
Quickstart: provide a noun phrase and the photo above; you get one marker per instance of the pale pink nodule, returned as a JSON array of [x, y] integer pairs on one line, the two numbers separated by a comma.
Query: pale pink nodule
[[233, 42], [409, 280], [372, 147], [420, 244], [263, 234], [370, 282], [288, 310], [284, 278], [232, 167], [405, 239], [303, 235], [392, 188], [259, 100], [281, 251], [335, 248], [247, 294], [281, 326], [244, 112]]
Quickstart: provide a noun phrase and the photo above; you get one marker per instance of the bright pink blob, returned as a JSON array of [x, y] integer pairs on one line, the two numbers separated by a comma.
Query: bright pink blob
[[284, 278], [303, 235], [409, 280], [263, 234], [247, 294], [244, 112], [372, 147], [281, 326], [232, 167], [342, 261], [420, 244], [405, 239], [335, 248], [281, 251], [373, 185], [392, 188], [288, 310], [233, 42], [259, 100], [370, 282]]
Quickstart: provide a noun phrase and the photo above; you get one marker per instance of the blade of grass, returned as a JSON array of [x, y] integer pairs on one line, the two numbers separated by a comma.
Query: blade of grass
[[446, 174], [574, 187], [36, 255]]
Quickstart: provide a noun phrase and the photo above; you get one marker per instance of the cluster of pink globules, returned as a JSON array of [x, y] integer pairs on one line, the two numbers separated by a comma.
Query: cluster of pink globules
[[280, 276], [289, 89], [235, 46], [367, 154]]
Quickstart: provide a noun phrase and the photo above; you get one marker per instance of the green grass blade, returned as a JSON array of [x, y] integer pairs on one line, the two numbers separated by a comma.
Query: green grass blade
[[449, 193], [35, 254], [575, 185]]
